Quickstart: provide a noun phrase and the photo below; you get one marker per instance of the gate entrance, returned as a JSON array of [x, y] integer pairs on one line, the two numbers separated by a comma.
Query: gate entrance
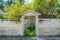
[[29, 26], [29, 21]]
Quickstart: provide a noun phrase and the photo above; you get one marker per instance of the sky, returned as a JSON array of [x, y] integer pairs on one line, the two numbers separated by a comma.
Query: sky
[[28, 1]]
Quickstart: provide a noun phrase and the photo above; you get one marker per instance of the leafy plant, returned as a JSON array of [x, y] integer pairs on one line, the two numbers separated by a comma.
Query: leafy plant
[[45, 7], [15, 11], [58, 13], [1, 16], [29, 31]]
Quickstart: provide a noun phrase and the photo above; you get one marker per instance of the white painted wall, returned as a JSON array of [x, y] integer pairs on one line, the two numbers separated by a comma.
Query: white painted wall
[[46, 27], [49, 27], [10, 28]]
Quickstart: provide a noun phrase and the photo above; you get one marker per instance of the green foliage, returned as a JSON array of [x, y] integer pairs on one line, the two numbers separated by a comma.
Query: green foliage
[[1, 16], [1, 6], [15, 11], [29, 31], [58, 13], [38, 2], [45, 7]]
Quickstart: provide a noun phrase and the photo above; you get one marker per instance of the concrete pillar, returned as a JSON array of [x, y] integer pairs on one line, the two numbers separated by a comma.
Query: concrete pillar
[[36, 24], [23, 25]]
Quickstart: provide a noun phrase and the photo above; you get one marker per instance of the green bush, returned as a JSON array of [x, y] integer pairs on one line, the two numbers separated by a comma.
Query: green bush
[[29, 31], [1, 16]]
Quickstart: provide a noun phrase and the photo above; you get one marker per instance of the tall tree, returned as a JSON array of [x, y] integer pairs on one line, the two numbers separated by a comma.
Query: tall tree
[[45, 6], [1, 5], [15, 11]]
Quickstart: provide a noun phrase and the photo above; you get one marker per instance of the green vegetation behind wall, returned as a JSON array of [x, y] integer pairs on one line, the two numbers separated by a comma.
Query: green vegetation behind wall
[[1, 16]]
